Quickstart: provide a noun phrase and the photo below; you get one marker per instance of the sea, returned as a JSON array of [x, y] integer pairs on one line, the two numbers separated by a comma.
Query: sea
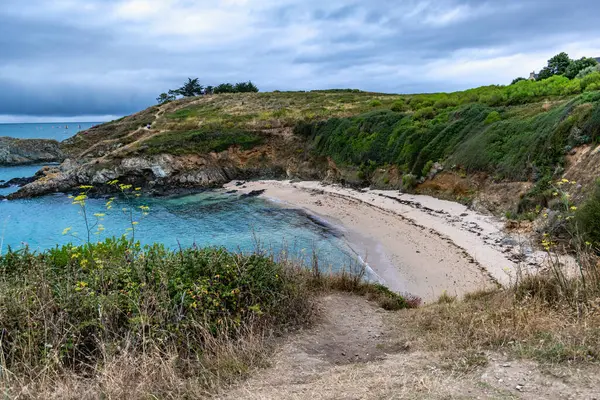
[[206, 218]]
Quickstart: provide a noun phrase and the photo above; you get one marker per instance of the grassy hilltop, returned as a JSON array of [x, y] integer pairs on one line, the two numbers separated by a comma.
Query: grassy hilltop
[[517, 133]]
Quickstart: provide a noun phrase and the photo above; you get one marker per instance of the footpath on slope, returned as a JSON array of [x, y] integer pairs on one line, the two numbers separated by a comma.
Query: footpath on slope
[[359, 351]]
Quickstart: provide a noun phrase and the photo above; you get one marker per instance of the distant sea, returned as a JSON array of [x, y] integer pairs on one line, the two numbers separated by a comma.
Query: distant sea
[[209, 218], [57, 131]]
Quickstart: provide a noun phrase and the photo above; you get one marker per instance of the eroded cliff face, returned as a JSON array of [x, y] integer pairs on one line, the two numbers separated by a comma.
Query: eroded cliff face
[[279, 159], [29, 151]]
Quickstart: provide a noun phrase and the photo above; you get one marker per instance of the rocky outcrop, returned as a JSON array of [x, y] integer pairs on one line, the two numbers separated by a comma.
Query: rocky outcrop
[[17, 182], [29, 151], [166, 173]]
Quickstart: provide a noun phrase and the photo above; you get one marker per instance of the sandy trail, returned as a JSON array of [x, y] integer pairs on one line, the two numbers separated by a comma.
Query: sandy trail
[[415, 244], [358, 351]]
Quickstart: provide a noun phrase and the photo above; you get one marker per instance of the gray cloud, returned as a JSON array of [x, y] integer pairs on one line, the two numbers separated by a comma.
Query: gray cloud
[[85, 57]]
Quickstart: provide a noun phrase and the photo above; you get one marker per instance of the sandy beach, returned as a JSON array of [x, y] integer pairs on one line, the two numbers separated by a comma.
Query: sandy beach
[[415, 244]]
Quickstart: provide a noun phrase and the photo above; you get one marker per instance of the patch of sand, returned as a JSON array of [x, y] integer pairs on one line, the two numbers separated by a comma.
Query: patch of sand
[[415, 244]]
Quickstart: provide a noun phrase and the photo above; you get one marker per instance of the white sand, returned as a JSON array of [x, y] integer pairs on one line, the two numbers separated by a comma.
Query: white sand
[[415, 244]]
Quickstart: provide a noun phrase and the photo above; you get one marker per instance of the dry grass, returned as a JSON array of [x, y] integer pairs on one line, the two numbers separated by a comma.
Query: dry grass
[[540, 318], [154, 374], [195, 359]]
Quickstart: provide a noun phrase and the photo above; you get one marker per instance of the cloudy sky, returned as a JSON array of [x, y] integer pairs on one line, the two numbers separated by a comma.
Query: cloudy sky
[[74, 58]]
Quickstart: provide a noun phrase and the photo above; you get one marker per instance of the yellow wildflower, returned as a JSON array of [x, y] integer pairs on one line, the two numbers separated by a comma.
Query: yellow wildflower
[[573, 208]]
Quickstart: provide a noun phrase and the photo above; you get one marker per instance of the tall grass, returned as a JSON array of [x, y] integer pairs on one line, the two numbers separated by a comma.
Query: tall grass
[[173, 322]]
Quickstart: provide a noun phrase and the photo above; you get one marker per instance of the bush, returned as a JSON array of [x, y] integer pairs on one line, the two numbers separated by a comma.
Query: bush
[[166, 297], [399, 106], [592, 87], [424, 113], [374, 103], [492, 117], [587, 217], [409, 182], [444, 103], [586, 71], [427, 168], [593, 78]]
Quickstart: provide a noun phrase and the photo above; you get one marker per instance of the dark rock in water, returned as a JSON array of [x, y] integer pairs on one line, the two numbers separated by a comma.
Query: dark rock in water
[[254, 193], [29, 151], [231, 192], [240, 183], [17, 182]]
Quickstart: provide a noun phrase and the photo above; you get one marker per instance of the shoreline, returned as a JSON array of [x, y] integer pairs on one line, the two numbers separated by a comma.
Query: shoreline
[[416, 244]]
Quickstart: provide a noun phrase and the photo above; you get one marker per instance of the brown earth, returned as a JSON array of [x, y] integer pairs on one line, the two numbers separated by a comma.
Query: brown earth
[[359, 351]]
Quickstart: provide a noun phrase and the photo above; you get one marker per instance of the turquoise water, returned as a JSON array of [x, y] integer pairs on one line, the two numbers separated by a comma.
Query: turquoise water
[[210, 218], [205, 219]]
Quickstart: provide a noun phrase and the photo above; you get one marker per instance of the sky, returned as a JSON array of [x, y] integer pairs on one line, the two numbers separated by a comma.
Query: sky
[[97, 59]]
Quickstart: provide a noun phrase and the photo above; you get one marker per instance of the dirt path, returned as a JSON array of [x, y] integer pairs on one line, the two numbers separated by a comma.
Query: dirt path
[[355, 352]]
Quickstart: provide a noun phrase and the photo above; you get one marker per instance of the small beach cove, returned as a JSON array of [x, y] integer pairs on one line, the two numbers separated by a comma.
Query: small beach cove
[[415, 244]]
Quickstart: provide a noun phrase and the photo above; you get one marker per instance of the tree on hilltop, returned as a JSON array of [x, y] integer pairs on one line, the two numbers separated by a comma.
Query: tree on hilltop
[[245, 87], [189, 89], [577, 66], [557, 65], [224, 88], [165, 98]]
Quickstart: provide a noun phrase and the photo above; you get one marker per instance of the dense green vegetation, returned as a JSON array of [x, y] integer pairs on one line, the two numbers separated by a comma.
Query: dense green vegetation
[[518, 143], [562, 64], [74, 308]]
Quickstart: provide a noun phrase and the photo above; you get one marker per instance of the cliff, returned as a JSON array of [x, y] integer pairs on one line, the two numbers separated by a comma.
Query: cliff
[[498, 148], [29, 151]]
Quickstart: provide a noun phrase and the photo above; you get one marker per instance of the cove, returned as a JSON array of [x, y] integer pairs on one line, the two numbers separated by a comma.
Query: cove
[[209, 218]]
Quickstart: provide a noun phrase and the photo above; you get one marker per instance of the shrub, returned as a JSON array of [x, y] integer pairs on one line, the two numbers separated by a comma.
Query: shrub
[[590, 79], [427, 168], [586, 71], [444, 103], [492, 117], [424, 113], [374, 103], [399, 106], [418, 102], [111, 295], [587, 217], [409, 181], [592, 87]]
